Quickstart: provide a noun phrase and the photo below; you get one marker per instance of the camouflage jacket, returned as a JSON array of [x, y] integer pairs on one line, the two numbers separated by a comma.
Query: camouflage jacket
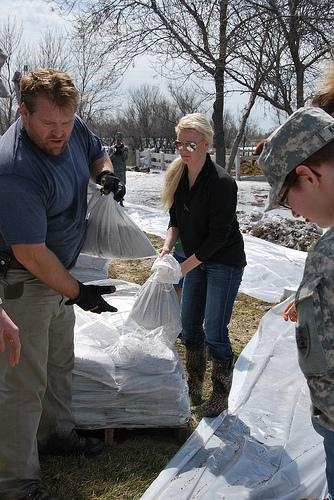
[[315, 328]]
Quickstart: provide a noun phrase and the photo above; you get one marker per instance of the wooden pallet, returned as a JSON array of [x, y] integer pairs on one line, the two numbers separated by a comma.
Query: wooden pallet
[[180, 433]]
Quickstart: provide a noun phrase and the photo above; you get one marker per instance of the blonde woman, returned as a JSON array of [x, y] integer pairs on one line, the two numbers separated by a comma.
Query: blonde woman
[[201, 198]]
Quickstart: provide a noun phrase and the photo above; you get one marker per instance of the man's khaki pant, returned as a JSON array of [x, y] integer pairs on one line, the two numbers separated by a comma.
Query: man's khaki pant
[[35, 395]]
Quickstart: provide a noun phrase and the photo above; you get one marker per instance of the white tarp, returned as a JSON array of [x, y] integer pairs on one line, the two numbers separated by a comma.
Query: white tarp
[[265, 448]]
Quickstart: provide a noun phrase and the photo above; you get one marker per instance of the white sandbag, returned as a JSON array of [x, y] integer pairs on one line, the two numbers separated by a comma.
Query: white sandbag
[[166, 269], [145, 354], [157, 305], [92, 342], [110, 231]]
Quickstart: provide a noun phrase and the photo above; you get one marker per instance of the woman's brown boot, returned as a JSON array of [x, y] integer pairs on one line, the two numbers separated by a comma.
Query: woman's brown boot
[[221, 377], [196, 366]]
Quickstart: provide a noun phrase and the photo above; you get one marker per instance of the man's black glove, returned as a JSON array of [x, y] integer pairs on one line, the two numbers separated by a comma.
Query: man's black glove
[[111, 184], [90, 298]]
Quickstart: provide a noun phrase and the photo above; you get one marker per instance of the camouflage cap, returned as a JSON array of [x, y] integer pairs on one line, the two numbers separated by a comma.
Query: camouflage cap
[[305, 132]]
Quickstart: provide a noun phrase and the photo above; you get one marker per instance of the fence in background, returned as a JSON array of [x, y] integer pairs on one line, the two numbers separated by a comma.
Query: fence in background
[[160, 161]]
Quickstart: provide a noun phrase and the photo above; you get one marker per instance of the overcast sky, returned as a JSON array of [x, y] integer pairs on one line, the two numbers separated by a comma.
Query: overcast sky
[[35, 16]]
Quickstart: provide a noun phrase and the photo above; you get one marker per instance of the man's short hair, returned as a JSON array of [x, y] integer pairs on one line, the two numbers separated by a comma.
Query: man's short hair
[[55, 85]]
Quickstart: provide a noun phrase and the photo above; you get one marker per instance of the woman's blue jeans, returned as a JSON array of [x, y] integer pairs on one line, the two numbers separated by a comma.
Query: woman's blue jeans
[[328, 436], [209, 292]]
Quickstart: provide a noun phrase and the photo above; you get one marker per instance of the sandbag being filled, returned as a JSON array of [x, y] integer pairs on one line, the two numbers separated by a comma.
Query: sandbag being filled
[[157, 305], [110, 231]]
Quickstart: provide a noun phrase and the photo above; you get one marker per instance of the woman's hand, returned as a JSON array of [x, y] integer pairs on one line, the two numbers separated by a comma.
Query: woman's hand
[[189, 264], [163, 251], [290, 312]]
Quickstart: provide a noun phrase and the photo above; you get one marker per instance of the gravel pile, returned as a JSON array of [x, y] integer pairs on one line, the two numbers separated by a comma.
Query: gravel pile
[[296, 234]]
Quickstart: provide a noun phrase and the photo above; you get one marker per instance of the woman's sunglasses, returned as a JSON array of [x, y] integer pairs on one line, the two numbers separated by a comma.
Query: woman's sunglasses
[[189, 146]]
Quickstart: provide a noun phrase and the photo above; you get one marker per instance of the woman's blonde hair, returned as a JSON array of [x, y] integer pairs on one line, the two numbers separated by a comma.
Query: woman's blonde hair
[[193, 121], [324, 97]]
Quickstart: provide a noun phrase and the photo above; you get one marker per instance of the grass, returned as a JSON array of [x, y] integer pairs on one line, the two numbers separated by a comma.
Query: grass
[[125, 470]]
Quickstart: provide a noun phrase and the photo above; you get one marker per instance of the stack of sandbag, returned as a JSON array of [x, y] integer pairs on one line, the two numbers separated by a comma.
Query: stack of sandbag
[[127, 371]]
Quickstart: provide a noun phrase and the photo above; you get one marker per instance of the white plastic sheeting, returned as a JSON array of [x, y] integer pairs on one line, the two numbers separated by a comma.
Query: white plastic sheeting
[[90, 268], [265, 448], [270, 269]]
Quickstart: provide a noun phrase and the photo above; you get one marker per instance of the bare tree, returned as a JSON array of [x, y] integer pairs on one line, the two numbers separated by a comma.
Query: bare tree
[[93, 72], [252, 65], [54, 51], [300, 33], [149, 120], [186, 99], [11, 44], [191, 38]]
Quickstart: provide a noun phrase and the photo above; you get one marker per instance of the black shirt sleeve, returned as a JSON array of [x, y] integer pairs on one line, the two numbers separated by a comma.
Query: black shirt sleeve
[[172, 217]]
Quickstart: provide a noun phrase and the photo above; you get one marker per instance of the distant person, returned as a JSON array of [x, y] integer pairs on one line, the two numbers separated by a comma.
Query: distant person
[[118, 154], [3, 91], [202, 198], [46, 160], [298, 162], [9, 332]]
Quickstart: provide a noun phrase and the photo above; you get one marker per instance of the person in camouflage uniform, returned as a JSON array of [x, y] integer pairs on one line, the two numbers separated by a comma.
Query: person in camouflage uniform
[[298, 162]]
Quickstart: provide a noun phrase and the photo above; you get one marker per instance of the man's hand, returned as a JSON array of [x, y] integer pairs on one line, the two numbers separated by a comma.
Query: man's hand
[[111, 184], [90, 298], [9, 332]]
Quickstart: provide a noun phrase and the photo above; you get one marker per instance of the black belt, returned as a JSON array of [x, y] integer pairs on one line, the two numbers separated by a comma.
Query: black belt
[[15, 264]]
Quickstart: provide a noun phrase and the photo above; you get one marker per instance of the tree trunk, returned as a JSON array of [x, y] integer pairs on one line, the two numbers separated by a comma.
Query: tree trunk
[[218, 106], [243, 123], [217, 118]]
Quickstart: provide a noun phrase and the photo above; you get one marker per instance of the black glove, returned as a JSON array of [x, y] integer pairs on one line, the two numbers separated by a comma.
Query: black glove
[[90, 298], [111, 184]]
